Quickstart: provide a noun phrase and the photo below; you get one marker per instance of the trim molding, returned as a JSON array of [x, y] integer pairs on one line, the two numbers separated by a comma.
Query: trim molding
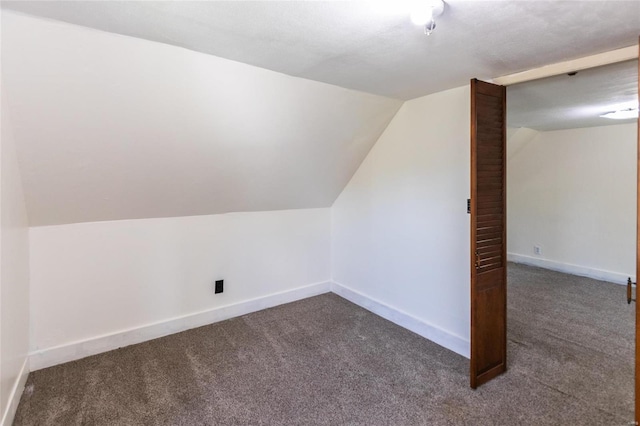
[[15, 395], [49, 357], [567, 268], [579, 64], [437, 335]]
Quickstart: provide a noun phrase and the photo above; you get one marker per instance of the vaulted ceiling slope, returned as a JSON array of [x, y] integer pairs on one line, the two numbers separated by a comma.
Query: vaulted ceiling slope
[[369, 45], [111, 127]]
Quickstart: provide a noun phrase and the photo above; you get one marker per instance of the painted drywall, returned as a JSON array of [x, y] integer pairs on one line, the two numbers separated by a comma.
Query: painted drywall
[[114, 127], [400, 230], [14, 274], [95, 279], [368, 45], [573, 194]]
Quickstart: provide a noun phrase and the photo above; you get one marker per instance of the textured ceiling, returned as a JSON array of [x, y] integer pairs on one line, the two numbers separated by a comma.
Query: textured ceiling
[[111, 127], [368, 45], [569, 102]]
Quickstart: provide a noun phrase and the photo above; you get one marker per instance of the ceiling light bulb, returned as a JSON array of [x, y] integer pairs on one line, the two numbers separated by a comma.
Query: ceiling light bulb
[[422, 15], [622, 114], [425, 12]]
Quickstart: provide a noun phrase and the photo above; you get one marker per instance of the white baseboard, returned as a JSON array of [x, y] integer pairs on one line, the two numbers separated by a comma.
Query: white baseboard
[[437, 335], [583, 271], [49, 357], [15, 395]]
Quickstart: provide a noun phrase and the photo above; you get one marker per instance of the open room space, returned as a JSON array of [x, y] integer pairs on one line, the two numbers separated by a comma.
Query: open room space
[[319, 212]]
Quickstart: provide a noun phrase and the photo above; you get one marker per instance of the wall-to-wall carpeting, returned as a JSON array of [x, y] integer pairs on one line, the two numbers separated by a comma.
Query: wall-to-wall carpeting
[[324, 360]]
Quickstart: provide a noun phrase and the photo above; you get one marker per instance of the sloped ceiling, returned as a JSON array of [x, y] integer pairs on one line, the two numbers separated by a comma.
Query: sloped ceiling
[[571, 102], [368, 45], [113, 127]]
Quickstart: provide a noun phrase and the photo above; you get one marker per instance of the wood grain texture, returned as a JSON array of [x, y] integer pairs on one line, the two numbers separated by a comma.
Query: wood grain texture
[[488, 233]]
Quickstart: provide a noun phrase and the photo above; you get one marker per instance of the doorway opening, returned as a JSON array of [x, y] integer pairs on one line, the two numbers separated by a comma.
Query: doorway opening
[[572, 176], [571, 240]]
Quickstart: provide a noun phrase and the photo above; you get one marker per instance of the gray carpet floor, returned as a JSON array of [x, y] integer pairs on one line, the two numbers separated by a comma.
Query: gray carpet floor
[[325, 361]]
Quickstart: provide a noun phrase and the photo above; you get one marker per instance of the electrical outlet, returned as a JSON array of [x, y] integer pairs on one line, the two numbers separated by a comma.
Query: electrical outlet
[[537, 250], [219, 288]]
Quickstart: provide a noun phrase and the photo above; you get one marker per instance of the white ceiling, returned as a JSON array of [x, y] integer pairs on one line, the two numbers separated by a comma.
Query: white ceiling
[[365, 45], [111, 127], [569, 102]]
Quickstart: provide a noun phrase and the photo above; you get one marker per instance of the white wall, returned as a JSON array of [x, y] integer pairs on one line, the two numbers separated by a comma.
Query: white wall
[[400, 227], [14, 275], [114, 127], [573, 193], [89, 280]]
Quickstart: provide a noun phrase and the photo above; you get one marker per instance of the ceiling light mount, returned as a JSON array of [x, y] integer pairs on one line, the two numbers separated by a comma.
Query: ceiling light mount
[[425, 12]]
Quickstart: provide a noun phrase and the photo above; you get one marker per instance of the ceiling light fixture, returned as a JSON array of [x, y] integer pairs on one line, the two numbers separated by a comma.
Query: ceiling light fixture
[[622, 114], [425, 12]]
